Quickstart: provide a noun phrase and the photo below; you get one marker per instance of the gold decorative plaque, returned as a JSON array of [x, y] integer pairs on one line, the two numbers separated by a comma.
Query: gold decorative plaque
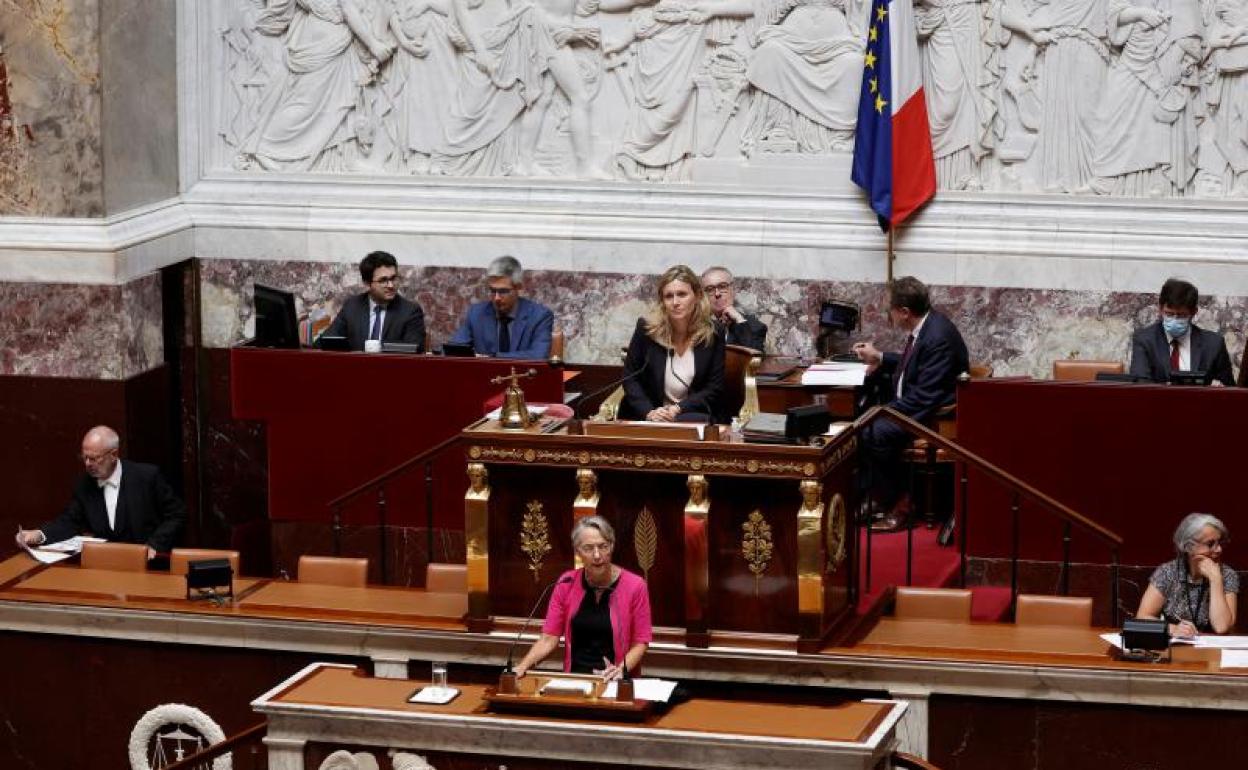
[[756, 546], [645, 541], [837, 524], [535, 538]]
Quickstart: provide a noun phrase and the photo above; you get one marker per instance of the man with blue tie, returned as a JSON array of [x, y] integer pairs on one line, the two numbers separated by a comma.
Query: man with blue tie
[[506, 325], [380, 313], [118, 500], [920, 380]]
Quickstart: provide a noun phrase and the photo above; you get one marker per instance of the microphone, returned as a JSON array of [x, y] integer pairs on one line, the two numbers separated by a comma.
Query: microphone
[[508, 670], [611, 386]]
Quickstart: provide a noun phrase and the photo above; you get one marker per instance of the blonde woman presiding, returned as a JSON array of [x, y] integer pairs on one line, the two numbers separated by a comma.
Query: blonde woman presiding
[[675, 361]]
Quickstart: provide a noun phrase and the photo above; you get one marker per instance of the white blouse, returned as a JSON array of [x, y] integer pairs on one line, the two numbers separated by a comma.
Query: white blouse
[[678, 376]]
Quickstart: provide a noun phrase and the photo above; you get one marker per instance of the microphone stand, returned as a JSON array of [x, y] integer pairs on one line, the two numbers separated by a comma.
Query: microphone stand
[[610, 386], [507, 680]]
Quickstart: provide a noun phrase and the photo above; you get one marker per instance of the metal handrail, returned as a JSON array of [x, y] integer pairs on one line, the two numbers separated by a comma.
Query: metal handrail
[[1109, 537]]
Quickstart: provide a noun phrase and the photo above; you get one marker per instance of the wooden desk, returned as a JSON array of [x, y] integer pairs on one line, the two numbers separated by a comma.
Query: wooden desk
[[778, 395], [326, 706], [376, 602]]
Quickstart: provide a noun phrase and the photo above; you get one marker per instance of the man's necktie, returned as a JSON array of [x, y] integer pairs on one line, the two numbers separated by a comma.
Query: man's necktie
[[375, 333], [504, 335], [1174, 355], [905, 354]]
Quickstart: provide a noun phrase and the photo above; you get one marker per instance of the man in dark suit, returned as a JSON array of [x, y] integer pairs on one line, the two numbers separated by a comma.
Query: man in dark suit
[[507, 325], [115, 499], [736, 326], [920, 380], [1175, 344], [380, 313]]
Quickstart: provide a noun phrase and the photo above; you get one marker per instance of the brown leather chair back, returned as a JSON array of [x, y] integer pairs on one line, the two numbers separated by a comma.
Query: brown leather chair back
[[1074, 370], [446, 578], [180, 557], [557, 340], [919, 603], [1037, 610], [736, 362], [128, 557], [333, 570]]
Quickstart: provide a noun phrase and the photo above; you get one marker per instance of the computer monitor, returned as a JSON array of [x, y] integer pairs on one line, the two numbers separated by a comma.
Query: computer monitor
[[838, 316], [276, 325]]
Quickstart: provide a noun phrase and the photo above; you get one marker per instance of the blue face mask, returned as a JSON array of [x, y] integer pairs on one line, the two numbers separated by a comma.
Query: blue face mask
[[1176, 327]]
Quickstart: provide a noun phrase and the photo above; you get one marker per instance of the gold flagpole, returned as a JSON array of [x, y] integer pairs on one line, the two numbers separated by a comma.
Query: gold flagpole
[[891, 256]]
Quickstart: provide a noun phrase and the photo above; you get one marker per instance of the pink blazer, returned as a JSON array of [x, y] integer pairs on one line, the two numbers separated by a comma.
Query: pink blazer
[[629, 607]]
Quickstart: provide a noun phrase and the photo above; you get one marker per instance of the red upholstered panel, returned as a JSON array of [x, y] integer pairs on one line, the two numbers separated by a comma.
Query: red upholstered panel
[[1135, 458], [337, 420]]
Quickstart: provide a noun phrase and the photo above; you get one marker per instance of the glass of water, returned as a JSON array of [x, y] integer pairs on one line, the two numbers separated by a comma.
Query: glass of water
[[438, 680]]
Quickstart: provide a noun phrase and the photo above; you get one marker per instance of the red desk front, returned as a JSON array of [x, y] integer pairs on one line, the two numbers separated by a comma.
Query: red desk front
[[336, 420], [1134, 458]]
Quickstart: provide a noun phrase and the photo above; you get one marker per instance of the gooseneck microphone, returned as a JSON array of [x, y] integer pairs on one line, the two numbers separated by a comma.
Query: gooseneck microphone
[[508, 669], [610, 386]]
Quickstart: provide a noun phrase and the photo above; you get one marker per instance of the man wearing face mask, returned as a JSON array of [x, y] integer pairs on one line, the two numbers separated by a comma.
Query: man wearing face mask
[[1175, 344]]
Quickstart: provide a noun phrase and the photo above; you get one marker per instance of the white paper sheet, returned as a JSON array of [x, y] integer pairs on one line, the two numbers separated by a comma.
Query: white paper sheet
[[656, 690], [51, 553], [844, 375], [568, 685], [1234, 658], [1222, 642]]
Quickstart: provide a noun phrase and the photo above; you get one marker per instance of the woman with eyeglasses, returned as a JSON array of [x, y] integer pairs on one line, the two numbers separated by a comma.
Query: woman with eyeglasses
[[675, 360], [1195, 592], [601, 611]]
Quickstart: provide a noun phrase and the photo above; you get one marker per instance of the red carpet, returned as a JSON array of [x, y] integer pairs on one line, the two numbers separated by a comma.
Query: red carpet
[[934, 565]]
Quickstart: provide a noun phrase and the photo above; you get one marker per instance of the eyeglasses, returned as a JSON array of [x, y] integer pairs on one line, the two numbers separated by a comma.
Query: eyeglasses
[[595, 548], [95, 459], [387, 281], [1208, 544], [499, 292], [716, 288]]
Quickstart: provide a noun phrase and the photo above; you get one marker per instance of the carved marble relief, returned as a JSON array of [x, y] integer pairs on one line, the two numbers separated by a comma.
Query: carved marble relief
[[1089, 97]]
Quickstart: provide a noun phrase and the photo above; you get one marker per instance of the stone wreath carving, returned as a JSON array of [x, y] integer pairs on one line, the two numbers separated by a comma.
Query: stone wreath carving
[[173, 714]]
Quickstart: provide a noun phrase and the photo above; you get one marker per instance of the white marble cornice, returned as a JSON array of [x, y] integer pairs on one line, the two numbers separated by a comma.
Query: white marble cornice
[[1033, 242]]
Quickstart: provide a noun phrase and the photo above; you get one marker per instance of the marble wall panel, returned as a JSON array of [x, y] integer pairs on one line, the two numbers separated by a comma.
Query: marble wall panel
[[50, 143], [91, 332], [1018, 331]]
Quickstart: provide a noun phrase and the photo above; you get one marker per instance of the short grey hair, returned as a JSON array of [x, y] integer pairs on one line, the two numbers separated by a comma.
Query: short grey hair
[[593, 522], [105, 435], [1191, 526], [506, 267], [716, 268]]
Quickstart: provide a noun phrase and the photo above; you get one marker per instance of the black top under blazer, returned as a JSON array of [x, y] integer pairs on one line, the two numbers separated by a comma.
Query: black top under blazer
[[645, 391]]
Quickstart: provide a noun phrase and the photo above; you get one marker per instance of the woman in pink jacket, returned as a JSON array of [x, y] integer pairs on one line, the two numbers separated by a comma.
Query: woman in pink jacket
[[601, 611]]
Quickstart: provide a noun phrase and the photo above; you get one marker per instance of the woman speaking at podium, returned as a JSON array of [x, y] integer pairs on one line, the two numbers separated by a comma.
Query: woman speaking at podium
[[675, 362], [1195, 592], [602, 611]]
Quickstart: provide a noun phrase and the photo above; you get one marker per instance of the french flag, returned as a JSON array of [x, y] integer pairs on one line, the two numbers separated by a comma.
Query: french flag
[[893, 144]]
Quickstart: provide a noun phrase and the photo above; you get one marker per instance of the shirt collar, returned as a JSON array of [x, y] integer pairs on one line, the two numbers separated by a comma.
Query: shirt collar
[[114, 478], [915, 331], [1183, 338]]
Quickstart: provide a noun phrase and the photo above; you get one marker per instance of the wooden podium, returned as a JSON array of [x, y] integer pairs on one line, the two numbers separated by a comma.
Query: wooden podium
[[752, 543]]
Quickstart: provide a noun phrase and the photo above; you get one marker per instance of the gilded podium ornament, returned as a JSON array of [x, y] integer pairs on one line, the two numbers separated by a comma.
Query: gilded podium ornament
[[756, 546], [645, 541], [836, 538], [535, 538]]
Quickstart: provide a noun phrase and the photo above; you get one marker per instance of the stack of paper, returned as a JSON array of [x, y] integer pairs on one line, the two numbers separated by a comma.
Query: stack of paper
[[51, 553], [656, 690], [835, 374]]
